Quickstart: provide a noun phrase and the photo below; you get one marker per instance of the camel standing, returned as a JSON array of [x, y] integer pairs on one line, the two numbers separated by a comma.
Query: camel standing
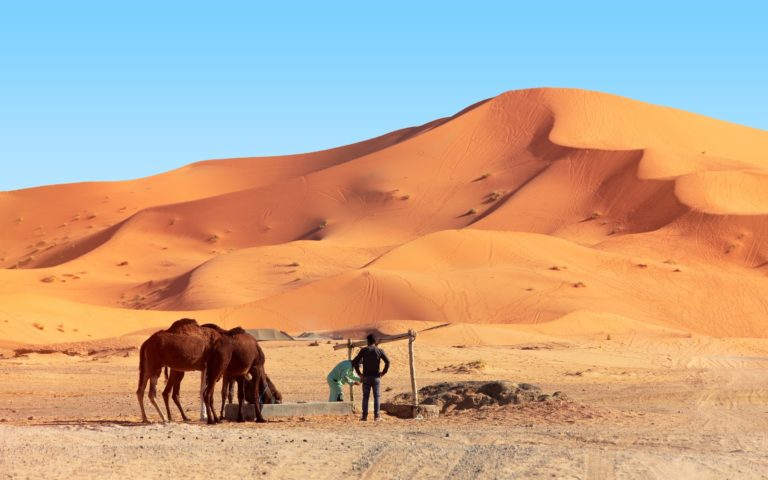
[[184, 346], [234, 355], [173, 382]]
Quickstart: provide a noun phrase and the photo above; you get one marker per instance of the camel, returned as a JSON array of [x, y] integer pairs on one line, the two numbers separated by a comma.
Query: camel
[[184, 346], [234, 355], [268, 393], [173, 382]]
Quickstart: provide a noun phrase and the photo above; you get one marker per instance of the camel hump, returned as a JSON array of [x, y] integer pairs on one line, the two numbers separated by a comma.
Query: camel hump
[[183, 325], [235, 331], [213, 326]]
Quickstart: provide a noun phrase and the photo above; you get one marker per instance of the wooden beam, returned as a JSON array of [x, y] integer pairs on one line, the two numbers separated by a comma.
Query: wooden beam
[[362, 343], [349, 357], [412, 366]]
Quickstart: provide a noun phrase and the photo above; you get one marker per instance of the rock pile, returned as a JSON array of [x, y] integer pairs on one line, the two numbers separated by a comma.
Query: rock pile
[[448, 396]]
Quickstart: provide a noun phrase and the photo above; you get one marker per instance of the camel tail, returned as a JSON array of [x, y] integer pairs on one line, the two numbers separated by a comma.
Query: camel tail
[[142, 361], [141, 356]]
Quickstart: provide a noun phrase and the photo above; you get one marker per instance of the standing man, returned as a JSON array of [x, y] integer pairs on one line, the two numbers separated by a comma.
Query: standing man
[[342, 374], [371, 357]]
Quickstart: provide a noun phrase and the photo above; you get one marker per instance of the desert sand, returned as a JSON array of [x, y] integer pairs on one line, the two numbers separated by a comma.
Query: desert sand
[[588, 243]]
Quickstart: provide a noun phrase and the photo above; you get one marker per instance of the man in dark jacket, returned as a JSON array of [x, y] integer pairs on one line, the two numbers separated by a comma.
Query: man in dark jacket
[[371, 357]]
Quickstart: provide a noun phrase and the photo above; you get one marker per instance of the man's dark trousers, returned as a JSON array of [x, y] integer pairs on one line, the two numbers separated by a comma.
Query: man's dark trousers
[[368, 384]]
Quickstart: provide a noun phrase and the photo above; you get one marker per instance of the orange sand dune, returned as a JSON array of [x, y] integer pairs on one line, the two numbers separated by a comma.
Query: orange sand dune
[[533, 206]]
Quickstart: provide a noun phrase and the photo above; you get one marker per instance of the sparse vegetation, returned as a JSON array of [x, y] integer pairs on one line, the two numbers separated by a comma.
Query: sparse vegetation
[[677, 270], [482, 177], [669, 261], [579, 285], [213, 239], [616, 229], [322, 224], [493, 196], [730, 248], [557, 268], [594, 216], [48, 279], [642, 265], [123, 263], [471, 211], [294, 264], [405, 197], [38, 326]]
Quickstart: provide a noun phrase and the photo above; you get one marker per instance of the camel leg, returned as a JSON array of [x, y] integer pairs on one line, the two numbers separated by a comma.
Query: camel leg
[[208, 409], [175, 397], [225, 385], [240, 395], [212, 376], [167, 393], [153, 394], [140, 394], [209, 404], [257, 385], [203, 413]]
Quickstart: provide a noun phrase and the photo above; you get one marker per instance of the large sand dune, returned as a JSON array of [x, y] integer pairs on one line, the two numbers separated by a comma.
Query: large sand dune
[[538, 213]]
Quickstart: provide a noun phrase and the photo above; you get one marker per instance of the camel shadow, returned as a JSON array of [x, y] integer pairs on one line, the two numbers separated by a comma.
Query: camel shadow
[[106, 422]]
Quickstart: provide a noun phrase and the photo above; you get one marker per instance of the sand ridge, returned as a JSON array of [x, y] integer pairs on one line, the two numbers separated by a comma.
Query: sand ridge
[[528, 208]]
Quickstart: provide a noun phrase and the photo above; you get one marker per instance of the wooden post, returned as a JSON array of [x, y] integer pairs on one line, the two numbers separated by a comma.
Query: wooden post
[[411, 339], [351, 387]]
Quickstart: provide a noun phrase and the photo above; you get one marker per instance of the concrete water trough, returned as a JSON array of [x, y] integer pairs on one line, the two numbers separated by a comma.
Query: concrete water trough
[[290, 410]]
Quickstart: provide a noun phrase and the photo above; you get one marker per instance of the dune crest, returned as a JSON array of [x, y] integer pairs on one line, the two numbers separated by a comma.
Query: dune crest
[[519, 210]]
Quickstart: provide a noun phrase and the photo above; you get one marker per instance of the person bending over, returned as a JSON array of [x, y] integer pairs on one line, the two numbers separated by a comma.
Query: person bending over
[[342, 374]]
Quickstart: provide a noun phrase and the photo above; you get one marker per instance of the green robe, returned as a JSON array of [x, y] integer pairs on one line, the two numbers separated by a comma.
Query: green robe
[[343, 373]]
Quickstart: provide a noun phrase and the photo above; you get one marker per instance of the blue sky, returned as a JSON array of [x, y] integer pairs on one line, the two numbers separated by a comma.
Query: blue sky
[[108, 90]]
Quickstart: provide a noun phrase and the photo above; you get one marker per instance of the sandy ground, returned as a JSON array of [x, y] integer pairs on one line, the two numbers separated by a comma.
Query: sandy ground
[[607, 248], [678, 410]]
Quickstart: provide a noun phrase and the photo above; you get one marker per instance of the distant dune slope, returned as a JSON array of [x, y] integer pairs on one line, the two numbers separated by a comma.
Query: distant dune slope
[[459, 220]]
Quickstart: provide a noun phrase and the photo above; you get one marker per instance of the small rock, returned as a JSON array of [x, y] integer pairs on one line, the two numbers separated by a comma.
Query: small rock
[[447, 435]]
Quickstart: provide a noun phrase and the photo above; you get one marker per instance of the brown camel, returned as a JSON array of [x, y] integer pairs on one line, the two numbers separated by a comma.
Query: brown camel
[[268, 393], [173, 382], [234, 355], [184, 346]]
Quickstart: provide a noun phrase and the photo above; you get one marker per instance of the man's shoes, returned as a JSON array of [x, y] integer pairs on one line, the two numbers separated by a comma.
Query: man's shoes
[[363, 419], [377, 419]]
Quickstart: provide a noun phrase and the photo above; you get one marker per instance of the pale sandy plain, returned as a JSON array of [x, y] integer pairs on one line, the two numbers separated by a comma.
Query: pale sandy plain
[[584, 242]]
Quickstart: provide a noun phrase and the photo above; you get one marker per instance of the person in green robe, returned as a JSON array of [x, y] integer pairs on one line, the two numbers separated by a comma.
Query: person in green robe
[[342, 374]]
